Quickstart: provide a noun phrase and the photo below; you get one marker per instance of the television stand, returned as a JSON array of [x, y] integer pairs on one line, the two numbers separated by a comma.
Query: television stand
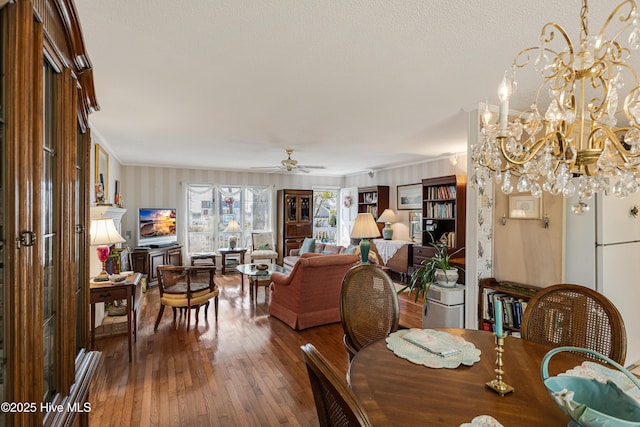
[[146, 260], [163, 245]]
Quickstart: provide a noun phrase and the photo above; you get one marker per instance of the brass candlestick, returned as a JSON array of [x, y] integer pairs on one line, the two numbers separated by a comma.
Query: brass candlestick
[[497, 384]]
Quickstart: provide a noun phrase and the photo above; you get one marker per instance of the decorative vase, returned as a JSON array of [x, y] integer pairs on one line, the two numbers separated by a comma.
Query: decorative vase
[[448, 278], [387, 232]]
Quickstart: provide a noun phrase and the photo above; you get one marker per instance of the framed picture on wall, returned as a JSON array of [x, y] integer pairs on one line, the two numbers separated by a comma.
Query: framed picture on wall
[[409, 197], [102, 170], [415, 226], [525, 207]]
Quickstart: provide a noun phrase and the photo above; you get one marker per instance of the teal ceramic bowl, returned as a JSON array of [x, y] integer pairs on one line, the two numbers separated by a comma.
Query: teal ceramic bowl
[[589, 402]]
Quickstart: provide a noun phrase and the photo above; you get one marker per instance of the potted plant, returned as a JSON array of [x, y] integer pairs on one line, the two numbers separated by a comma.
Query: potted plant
[[438, 269]]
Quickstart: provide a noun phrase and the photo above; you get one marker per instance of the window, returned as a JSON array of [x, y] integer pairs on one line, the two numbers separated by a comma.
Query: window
[[200, 219], [325, 215], [210, 209]]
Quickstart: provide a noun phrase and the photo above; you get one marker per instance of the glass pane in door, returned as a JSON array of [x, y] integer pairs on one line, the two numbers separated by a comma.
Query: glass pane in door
[[305, 208], [2, 225], [292, 206], [49, 237]]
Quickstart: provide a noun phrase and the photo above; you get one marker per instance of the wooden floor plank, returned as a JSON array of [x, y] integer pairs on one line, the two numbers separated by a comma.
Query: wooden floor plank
[[245, 369]]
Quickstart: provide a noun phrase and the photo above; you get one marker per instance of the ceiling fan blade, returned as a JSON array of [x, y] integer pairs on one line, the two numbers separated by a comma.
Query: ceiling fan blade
[[311, 167]]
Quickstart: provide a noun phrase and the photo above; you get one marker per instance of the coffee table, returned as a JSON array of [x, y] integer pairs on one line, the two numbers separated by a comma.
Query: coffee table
[[258, 277]]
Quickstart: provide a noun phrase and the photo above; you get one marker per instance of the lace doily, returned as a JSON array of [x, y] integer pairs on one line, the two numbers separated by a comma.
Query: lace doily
[[468, 354]]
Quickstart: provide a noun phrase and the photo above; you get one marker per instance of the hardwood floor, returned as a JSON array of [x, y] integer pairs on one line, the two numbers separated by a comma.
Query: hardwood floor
[[246, 369]]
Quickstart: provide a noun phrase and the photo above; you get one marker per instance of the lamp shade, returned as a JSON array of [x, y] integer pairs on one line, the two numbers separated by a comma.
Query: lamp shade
[[103, 232], [233, 227], [388, 216], [365, 227]]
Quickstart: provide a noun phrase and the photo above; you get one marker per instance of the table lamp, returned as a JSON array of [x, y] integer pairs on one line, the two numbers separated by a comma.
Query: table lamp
[[233, 227], [103, 234], [365, 228], [388, 216]]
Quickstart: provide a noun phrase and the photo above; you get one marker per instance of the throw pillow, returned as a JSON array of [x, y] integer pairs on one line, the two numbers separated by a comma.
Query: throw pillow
[[264, 247], [308, 245], [351, 249]]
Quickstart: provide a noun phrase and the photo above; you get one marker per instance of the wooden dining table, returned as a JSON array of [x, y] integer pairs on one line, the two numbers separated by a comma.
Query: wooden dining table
[[397, 392]]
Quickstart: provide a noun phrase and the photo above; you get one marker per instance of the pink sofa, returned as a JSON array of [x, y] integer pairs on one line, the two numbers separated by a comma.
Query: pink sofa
[[310, 294]]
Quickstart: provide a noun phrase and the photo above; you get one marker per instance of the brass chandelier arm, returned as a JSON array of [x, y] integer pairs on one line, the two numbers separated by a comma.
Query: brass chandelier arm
[[532, 150], [599, 141], [632, 99], [623, 18]]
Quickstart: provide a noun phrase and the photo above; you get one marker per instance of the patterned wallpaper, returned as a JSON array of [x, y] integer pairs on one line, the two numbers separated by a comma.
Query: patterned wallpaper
[[164, 187]]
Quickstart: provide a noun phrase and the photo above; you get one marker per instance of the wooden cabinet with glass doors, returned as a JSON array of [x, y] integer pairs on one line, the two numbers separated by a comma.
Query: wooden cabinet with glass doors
[[295, 210], [46, 94]]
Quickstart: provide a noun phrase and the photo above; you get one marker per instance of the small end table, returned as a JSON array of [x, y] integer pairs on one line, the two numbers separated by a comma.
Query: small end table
[[201, 259], [224, 252]]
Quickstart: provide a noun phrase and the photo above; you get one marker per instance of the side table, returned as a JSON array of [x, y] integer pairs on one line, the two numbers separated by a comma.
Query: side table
[[224, 252], [108, 292], [203, 259]]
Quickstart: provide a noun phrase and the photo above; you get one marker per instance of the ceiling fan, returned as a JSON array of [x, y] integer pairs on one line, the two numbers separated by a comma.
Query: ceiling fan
[[290, 164]]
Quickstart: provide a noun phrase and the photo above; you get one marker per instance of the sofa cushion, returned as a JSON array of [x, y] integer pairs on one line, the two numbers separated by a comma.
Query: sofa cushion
[[351, 249], [331, 249], [308, 245]]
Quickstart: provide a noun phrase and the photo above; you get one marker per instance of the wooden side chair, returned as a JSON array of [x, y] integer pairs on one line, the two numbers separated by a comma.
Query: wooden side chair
[[336, 404], [185, 288], [574, 315], [369, 307]]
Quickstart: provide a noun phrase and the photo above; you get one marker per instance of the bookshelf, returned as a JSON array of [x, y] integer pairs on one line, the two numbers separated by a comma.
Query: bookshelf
[[374, 200], [444, 210], [443, 216], [515, 297]]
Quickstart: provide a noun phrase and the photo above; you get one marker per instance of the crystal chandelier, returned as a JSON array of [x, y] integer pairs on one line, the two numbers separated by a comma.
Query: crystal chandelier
[[576, 126]]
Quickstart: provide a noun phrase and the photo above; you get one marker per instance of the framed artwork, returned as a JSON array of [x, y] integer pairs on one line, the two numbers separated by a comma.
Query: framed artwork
[[102, 170], [415, 226], [525, 207], [409, 197]]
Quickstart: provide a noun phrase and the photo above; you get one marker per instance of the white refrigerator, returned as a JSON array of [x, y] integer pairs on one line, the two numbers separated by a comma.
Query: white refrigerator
[[602, 252]]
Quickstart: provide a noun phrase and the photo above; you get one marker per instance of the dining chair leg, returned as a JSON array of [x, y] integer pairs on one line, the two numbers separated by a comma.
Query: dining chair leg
[[174, 313], [215, 306], [206, 310], [159, 317], [188, 315]]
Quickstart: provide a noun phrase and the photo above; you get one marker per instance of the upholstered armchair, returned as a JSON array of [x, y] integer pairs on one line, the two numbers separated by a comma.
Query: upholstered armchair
[[263, 247], [310, 294]]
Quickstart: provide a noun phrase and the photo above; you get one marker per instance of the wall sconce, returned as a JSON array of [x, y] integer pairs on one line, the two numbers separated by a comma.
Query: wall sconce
[[503, 220], [546, 220]]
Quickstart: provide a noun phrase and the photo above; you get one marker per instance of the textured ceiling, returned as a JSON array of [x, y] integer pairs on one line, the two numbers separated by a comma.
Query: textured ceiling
[[352, 85]]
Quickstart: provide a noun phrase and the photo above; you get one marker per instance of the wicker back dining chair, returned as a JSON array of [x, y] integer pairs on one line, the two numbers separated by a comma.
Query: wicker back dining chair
[[369, 307], [336, 404], [186, 287], [574, 315]]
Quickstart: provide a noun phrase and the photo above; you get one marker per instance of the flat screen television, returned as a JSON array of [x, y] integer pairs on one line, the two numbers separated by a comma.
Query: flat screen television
[[157, 226]]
